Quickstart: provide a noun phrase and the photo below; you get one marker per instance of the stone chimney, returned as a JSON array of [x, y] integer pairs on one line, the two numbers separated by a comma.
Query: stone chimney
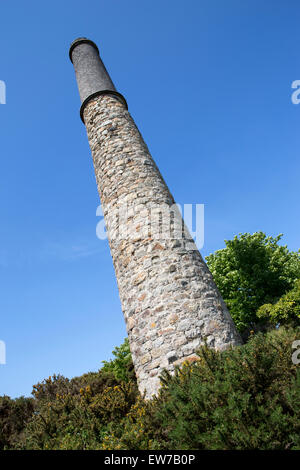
[[170, 302]]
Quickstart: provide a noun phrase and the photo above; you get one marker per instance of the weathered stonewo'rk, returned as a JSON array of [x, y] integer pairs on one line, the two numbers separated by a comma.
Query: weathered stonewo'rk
[[169, 299]]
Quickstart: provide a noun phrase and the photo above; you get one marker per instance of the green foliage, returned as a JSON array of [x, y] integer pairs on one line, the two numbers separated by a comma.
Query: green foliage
[[121, 365], [63, 423], [115, 402], [139, 429], [14, 415], [285, 311], [242, 398], [246, 398], [251, 271], [74, 414], [70, 414]]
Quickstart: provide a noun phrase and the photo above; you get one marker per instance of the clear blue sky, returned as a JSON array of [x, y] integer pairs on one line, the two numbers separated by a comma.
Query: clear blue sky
[[208, 82]]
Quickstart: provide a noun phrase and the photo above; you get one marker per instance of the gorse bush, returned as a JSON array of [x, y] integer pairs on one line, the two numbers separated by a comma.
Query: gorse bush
[[74, 414], [14, 416], [140, 429], [242, 398], [245, 398]]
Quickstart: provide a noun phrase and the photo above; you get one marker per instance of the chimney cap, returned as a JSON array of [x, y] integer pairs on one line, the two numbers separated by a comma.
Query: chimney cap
[[78, 41]]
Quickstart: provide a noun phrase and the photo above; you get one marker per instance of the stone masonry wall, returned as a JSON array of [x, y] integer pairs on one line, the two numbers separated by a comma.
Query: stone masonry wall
[[169, 299]]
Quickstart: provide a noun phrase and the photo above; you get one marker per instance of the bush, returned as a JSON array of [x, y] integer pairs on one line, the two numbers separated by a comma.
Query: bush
[[14, 415], [242, 398], [245, 398], [139, 429], [74, 414]]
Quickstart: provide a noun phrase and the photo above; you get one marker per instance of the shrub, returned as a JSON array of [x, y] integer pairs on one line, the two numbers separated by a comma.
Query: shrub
[[245, 398], [74, 414], [14, 415], [242, 398], [139, 429]]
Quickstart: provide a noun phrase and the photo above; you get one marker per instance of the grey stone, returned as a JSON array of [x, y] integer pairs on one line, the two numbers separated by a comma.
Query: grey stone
[[168, 315]]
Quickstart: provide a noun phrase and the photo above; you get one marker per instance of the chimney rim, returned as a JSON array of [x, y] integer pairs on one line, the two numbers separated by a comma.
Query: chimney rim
[[81, 40]]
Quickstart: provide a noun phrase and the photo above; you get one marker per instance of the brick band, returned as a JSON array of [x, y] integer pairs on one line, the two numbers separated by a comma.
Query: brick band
[[99, 93]]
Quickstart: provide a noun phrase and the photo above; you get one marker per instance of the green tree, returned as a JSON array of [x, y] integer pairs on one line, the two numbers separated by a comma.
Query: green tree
[[121, 366], [285, 311], [251, 271]]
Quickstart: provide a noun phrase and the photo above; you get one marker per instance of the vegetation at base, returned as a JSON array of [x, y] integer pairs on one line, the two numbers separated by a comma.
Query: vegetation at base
[[14, 416], [243, 398], [121, 364]]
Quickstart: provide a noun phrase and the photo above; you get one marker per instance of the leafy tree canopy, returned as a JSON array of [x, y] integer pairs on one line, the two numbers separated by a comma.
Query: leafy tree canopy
[[120, 366], [285, 311], [251, 271]]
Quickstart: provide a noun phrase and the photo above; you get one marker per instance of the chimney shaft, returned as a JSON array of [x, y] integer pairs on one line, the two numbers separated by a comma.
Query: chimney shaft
[[91, 75], [170, 302]]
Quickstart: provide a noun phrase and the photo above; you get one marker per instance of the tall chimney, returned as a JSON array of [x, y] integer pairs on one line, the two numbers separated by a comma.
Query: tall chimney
[[169, 299]]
